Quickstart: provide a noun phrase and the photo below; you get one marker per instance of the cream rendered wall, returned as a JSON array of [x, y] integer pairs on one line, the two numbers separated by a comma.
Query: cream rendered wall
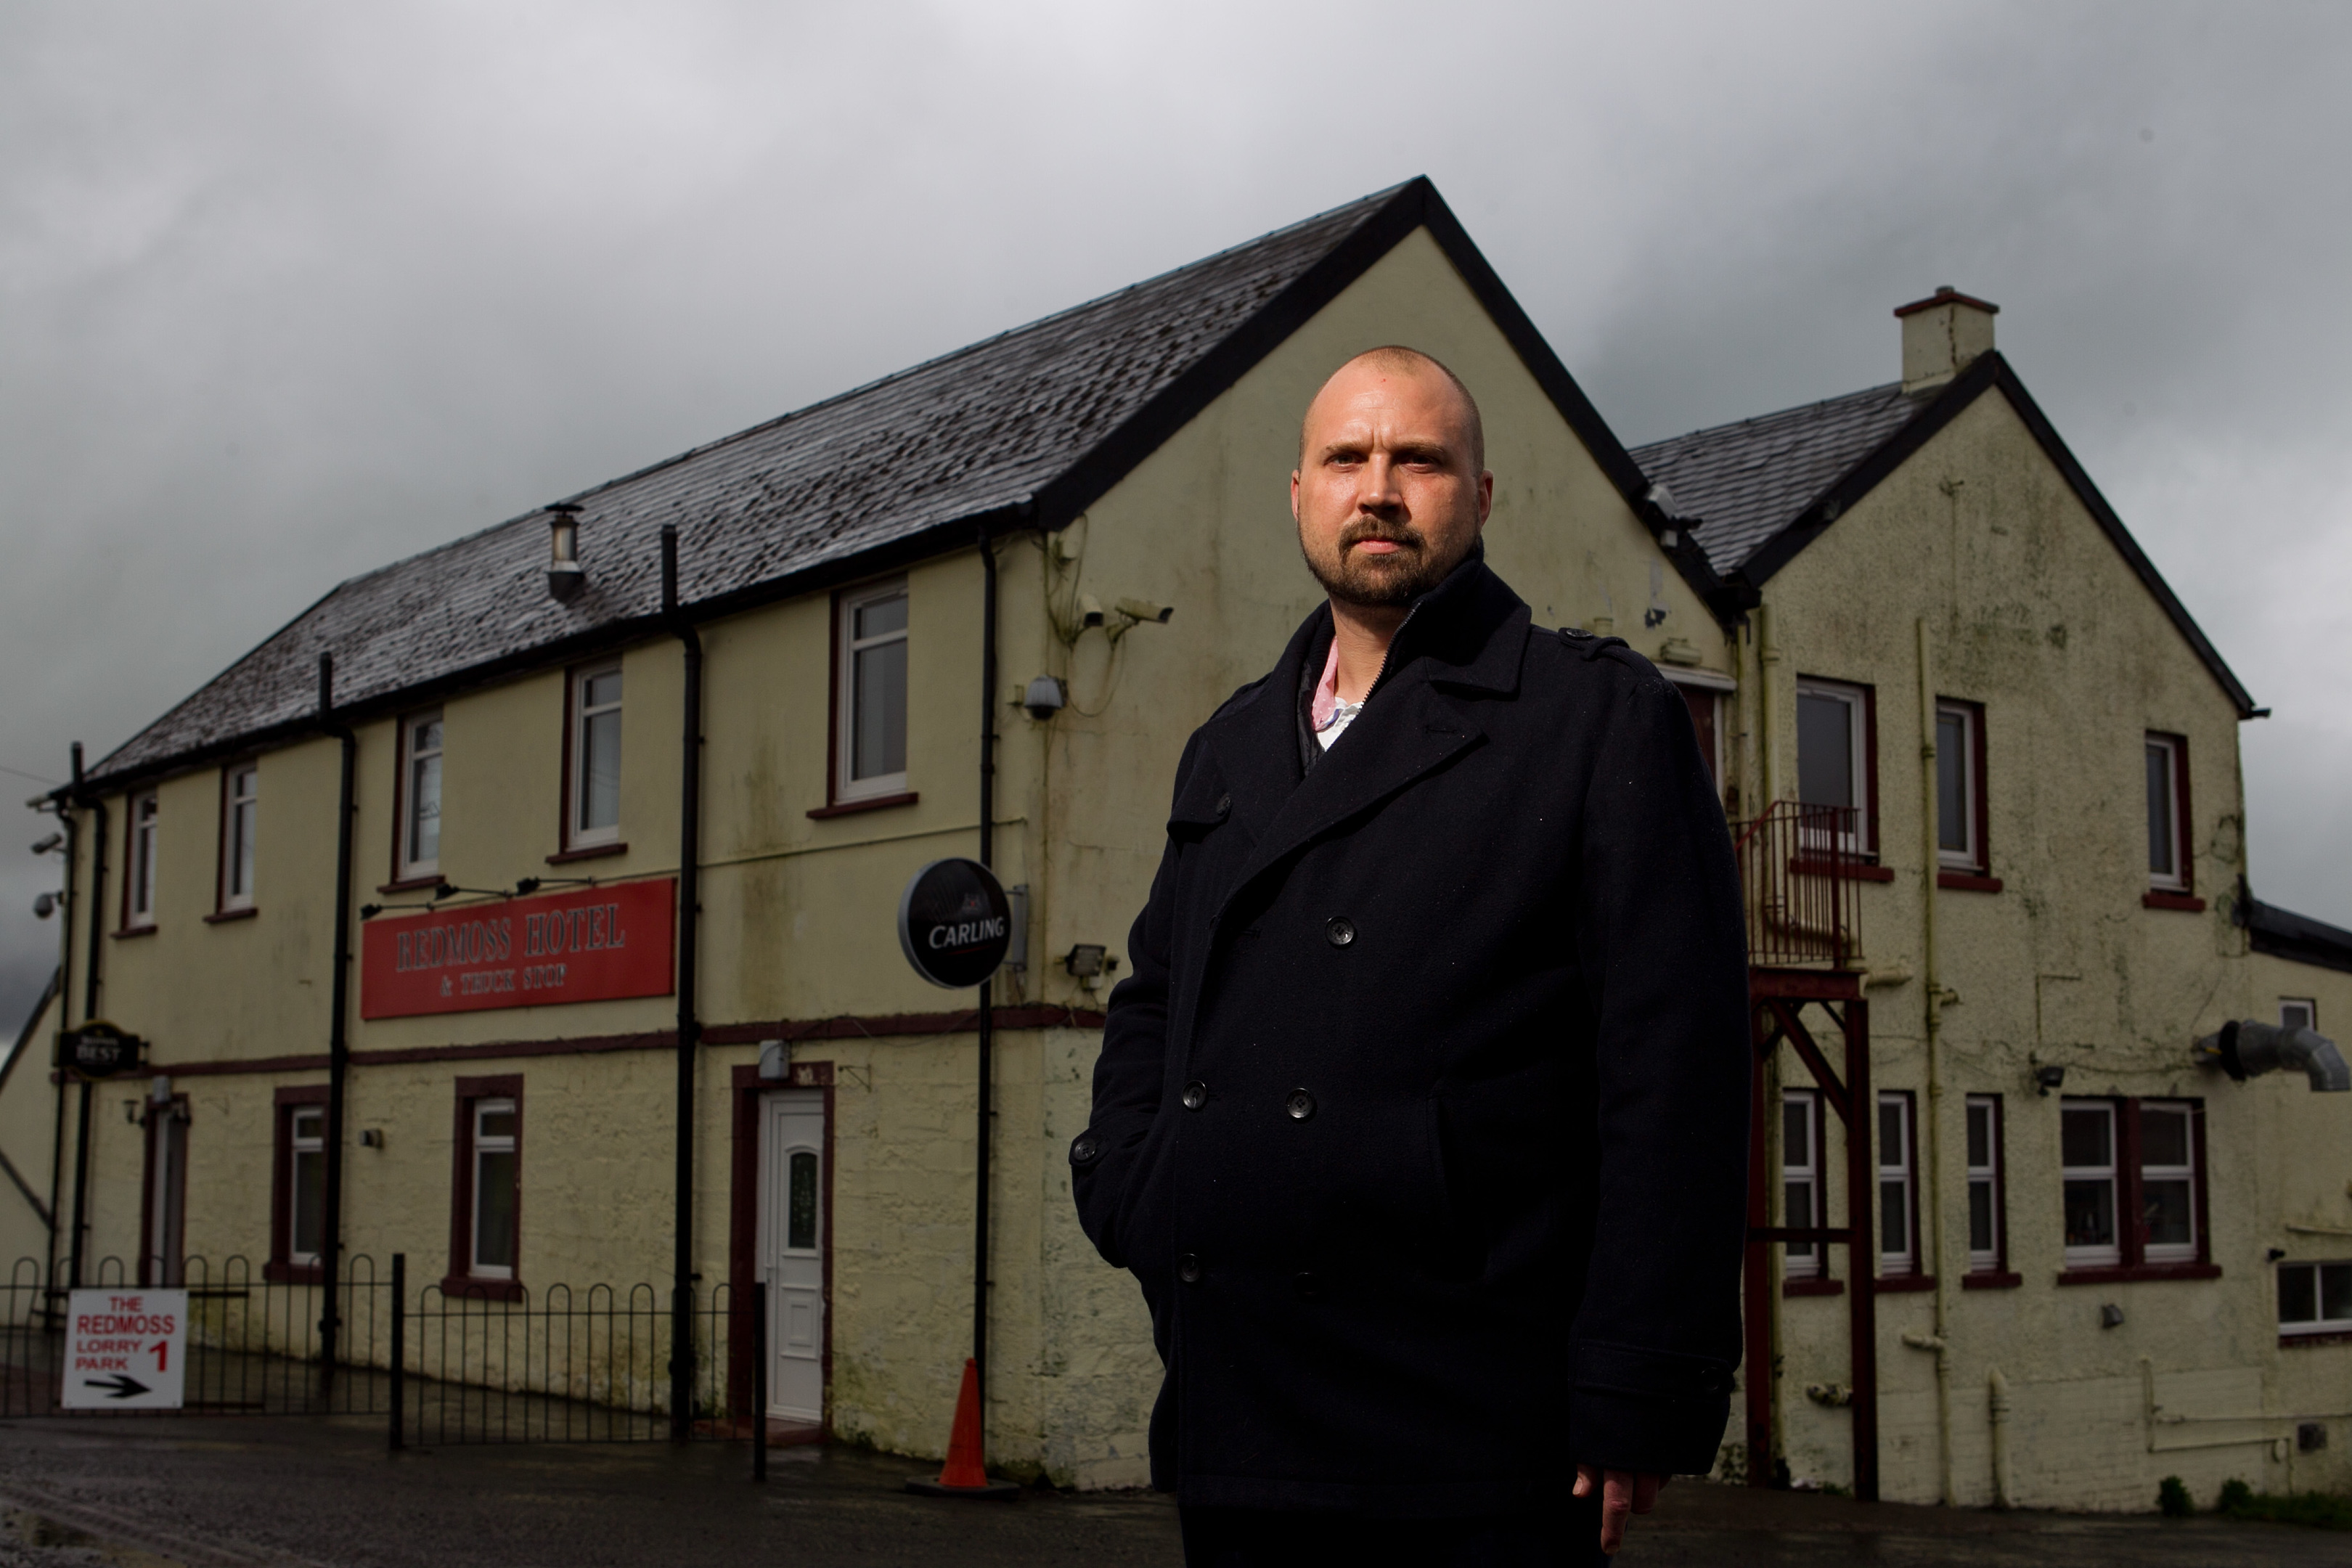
[[2032, 612]]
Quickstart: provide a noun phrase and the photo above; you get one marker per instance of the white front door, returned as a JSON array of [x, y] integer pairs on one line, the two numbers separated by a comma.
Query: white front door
[[792, 1250]]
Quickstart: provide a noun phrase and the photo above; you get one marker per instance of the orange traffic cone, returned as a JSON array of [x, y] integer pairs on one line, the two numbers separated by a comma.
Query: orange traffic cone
[[966, 1471]]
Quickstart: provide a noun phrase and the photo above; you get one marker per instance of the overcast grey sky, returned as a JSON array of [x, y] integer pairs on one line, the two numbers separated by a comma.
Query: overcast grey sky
[[290, 291]]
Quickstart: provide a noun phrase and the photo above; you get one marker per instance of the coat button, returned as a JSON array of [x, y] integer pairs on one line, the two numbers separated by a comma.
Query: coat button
[[1086, 1148], [1308, 1284], [1340, 930], [1188, 1268], [1224, 804], [1196, 1095], [1301, 1105]]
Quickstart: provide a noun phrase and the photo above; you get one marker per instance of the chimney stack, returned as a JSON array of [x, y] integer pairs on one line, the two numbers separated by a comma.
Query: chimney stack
[[1941, 335]]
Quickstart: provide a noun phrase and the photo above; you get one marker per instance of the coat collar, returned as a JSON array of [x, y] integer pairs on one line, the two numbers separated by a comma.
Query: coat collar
[[1465, 638]]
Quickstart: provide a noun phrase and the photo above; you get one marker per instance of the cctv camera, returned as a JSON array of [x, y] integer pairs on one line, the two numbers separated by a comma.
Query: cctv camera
[[1142, 610], [1090, 610]]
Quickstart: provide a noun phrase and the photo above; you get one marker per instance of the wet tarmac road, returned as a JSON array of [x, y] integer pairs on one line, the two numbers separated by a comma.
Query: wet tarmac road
[[212, 1493]]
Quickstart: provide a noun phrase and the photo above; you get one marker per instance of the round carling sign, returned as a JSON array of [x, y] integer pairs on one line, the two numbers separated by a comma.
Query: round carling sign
[[955, 923]]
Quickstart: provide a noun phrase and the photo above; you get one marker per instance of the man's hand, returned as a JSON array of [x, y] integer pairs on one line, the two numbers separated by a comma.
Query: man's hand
[[1621, 1492]]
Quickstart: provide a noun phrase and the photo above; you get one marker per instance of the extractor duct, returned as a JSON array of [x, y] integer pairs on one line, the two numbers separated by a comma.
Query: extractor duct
[[2247, 1049]]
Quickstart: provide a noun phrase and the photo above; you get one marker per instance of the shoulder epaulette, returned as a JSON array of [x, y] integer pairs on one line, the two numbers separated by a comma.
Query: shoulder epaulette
[[1588, 644]]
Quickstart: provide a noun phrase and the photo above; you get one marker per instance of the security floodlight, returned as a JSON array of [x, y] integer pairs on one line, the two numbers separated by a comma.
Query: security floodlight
[[54, 841], [1045, 698]]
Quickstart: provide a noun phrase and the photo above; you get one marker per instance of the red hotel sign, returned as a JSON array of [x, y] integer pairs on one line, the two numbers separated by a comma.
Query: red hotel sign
[[592, 944]]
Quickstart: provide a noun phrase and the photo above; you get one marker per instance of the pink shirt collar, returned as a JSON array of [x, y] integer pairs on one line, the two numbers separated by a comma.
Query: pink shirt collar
[[1327, 691]]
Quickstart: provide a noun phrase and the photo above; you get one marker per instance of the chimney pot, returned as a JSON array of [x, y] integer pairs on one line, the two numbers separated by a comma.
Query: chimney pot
[[1942, 334]]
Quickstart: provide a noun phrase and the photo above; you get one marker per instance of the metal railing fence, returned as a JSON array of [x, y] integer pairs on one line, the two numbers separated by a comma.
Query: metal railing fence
[[480, 1364]]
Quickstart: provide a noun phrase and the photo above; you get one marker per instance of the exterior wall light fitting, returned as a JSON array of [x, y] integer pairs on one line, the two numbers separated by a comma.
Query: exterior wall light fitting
[[1044, 698]]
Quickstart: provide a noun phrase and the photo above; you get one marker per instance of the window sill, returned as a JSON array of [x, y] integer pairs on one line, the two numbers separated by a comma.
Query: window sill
[[293, 1273], [2004, 1280], [1792, 1289], [1967, 882], [465, 1287], [126, 931], [1857, 871], [2323, 1337], [2156, 900], [2126, 1273], [223, 917], [1903, 1284], [851, 807], [586, 852], [410, 884]]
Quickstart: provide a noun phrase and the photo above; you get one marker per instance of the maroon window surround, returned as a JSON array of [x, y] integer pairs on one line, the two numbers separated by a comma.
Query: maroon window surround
[[461, 1280]]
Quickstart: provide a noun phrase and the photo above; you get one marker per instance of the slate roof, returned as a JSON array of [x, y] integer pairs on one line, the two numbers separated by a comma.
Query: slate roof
[[1754, 494], [1747, 481], [1025, 428]]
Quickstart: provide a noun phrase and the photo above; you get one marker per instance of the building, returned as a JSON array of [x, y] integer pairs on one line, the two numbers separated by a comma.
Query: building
[[623, 862]]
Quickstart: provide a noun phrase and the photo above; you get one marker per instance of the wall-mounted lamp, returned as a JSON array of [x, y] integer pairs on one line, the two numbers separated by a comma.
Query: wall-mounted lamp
[[45, 905], [564, 576], [1044, 698], [1085, 960], [2111, 1316], [371, 1137], [2047, 1078]]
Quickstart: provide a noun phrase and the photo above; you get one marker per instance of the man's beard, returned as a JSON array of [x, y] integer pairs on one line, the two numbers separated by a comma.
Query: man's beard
[[1379, 581]]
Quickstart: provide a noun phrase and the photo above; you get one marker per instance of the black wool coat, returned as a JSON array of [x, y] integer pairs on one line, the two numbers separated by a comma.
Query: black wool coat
[[1423, 1117]]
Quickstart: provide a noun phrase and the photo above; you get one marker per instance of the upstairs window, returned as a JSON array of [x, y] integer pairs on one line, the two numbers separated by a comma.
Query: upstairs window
[[870, 703], [1959, 786], [2167, 812], [240, 804], [1837, 757], [139, 863], [592, 816], [420, 795], [1801, 1179], [2314, 1297]]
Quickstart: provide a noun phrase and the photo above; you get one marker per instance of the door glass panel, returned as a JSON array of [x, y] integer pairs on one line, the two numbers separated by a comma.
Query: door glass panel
[[800, 1216], [309, 1203]]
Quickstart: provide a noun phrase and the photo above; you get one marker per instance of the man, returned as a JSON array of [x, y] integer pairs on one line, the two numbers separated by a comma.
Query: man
[[1423, 1117]]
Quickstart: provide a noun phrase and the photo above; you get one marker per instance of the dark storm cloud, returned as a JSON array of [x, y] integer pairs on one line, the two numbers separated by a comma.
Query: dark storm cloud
[[288, 292]]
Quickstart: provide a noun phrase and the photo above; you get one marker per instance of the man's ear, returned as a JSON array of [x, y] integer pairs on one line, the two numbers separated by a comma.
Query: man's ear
[[1486, 495], [1294, 495]]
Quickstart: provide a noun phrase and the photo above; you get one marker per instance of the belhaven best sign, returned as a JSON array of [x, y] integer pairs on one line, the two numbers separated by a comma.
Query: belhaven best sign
[[591, 944]]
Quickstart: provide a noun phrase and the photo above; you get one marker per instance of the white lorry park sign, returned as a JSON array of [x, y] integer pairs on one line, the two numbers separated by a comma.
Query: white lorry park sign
[[126, 1350]]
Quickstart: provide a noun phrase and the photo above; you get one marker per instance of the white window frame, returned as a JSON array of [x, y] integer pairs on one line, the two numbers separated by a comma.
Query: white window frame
[[485, 1143], [412, 757], [2186, 1174], [1804, 1167], [138, 876], [2317, 1324], [1857, 758], [298, 1145], [2176, 880], [846, 787], [2112, 1253], [577, 835], [1985, 1175], [1970, 857], [2307, 1006], [1898, 1175], [240, 815]]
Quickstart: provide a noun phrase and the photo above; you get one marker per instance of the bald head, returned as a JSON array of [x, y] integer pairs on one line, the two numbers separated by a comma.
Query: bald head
[[1396, 360]]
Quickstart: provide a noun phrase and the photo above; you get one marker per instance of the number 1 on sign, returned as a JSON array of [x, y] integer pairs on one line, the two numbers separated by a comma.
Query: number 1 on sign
[[163, 1349]]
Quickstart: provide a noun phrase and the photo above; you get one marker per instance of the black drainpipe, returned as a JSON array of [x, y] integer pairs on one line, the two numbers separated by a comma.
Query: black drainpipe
[[987, 990], [338, 1054], [70, 821], [689, 1028], [88, 1011]]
